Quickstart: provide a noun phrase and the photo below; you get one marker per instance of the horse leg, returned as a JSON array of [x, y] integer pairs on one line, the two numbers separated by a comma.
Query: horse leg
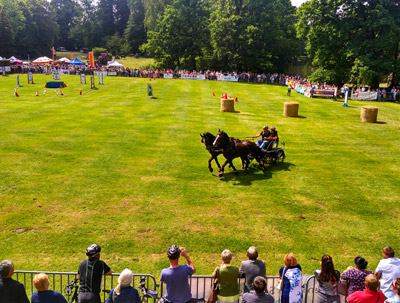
[[234, 168], [216, 161], [260, 162], [245, 165], [209, 164], [221, 170]]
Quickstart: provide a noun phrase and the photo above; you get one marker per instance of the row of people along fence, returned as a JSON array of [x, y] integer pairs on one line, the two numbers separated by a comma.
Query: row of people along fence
[[199, 284], [296, 83]]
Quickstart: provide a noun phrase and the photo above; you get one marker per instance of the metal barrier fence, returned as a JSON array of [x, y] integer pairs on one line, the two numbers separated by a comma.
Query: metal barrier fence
[[58, 281], [199, 285]]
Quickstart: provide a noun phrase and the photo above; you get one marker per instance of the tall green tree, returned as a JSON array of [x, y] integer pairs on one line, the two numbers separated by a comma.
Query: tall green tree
[[154, 10], [105, 13], [86, 29], [253, 35], [40, 28], [181, 34], [135, 33], [351, 40], [121, 15], [6, 34], [66, 12]]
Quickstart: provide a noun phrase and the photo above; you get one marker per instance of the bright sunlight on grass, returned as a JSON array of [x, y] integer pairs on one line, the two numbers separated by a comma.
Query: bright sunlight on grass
[[129, 173]]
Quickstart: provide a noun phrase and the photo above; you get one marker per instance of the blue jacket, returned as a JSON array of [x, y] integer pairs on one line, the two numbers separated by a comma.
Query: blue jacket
[[128, 295]]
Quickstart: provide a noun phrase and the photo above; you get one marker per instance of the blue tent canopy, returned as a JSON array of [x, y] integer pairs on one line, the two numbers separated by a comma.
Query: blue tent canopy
[[76, 61]]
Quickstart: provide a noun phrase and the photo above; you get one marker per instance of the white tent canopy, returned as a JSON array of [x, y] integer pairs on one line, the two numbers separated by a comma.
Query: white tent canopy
[[15, 60], [64, 59], [114, 63], [42, 60]]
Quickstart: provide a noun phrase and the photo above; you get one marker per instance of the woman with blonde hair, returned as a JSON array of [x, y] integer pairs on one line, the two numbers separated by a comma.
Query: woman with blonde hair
[[43, 294], [291, 278], [228, 279], [124, 292]]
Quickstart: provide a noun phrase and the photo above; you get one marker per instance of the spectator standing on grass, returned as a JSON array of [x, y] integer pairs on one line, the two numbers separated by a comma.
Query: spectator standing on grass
[[228, 279], [258, 295], [328, 279], [292, 279], [11, 291], [90, 274], [252, 268], [356, 275], [124, 292], [370, 294], [176, 277], [396, 289], [387, 271], [44, 295]]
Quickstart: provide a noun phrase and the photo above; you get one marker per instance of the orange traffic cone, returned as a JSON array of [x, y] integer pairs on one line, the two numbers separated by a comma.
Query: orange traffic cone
[[16, 94], [154, 78], [225, 96], [236, 99], [61, 93], [37, 94], [213, 94], [80, 92]]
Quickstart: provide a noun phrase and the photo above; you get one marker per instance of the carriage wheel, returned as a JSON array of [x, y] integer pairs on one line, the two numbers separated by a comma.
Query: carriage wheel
[[280, 156]]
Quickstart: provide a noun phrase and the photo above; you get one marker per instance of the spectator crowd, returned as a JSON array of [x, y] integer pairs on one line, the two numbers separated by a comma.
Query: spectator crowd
[[357, 283]]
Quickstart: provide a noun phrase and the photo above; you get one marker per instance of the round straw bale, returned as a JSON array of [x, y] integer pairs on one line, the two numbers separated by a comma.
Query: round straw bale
[[369, 114], [291, 109], [227, 105]]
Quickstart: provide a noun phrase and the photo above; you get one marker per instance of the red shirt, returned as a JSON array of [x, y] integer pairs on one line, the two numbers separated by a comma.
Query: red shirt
[[366, 296]]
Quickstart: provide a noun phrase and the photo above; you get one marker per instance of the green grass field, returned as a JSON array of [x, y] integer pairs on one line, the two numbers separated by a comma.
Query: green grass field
[[129, 173]]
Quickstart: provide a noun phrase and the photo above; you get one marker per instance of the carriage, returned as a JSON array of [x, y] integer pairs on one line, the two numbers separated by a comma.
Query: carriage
[[273, 154]]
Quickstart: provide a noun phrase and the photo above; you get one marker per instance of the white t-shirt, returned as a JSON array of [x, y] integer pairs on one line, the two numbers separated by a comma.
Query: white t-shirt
[[390, 270]]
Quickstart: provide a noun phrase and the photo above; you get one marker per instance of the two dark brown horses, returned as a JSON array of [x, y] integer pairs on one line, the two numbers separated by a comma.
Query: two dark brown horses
[[234, 148]]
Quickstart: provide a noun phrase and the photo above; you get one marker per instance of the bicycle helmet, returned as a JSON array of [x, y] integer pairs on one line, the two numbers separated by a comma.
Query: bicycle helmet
[[273, 128], [173, 252], [265, 127], [93, 250]]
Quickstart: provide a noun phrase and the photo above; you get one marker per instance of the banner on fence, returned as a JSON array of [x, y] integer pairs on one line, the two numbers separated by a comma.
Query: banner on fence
[[193, 77], [111, 73], [364, 95], [168, 76], [228, 78], [5, 68], [324, 93]]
